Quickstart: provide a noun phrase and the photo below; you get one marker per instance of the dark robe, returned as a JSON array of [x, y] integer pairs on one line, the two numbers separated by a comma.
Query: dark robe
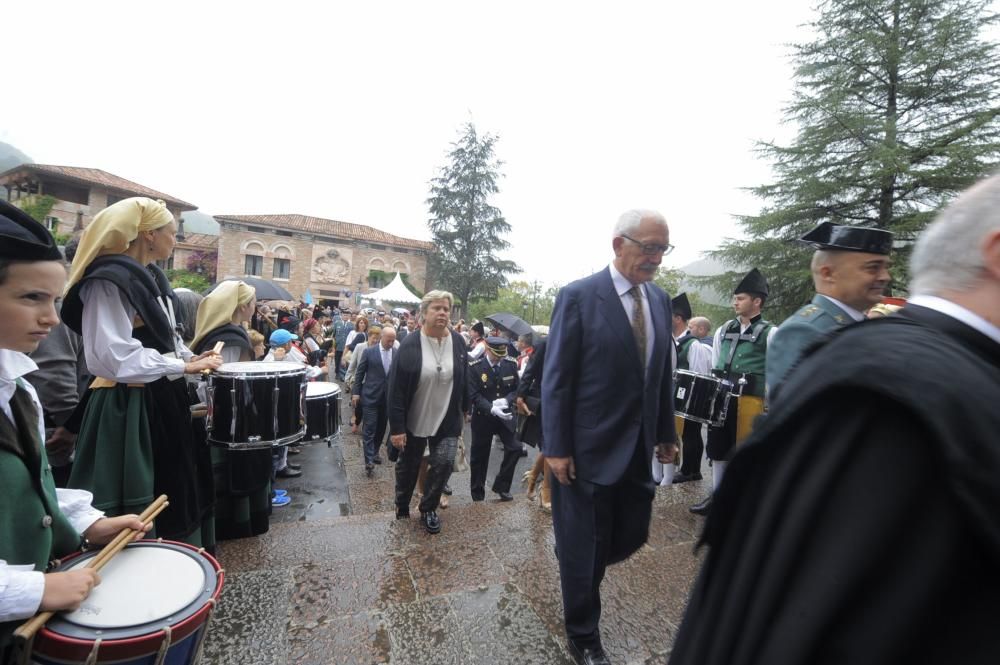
[[860, 523]]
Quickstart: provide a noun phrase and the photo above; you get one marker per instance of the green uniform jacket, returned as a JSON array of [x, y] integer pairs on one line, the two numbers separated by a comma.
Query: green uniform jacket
[[805, 327], [32, 528]]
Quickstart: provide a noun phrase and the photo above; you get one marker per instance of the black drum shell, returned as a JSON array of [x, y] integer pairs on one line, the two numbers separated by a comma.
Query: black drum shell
[[242, 411]]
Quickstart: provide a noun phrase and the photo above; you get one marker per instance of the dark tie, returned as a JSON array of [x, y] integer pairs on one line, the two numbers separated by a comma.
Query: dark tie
[[639, 323]]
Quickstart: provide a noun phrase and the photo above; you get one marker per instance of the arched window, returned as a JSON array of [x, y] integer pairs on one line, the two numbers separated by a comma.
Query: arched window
[[253, 260], [282, 262]]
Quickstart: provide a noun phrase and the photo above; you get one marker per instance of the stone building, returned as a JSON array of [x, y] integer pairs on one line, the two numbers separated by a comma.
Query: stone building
[[333, 260], [188, 244], [80, 193]]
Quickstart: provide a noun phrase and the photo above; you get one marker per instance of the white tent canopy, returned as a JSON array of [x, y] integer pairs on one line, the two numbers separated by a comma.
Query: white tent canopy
[[396, 291]]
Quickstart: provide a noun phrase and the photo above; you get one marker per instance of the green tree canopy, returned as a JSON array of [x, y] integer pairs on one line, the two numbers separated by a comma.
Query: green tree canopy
[[469, 232], [529, 300], [896, 103]]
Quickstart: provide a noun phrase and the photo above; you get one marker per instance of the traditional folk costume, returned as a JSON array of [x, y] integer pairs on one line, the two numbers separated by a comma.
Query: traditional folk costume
[[136, 440], [242, 477]]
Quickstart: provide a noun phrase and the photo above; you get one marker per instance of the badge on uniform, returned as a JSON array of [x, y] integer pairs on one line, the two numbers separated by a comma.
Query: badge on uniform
[[485, 378]]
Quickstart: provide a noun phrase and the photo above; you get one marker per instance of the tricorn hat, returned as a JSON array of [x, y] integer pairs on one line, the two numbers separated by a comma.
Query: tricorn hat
[[849, 238], [754, 282], [24, 239], [680, 306]]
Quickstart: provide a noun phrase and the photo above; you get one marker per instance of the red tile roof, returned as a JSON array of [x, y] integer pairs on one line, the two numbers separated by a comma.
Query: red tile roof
[[327, 227], [99, 178], [199, 240]]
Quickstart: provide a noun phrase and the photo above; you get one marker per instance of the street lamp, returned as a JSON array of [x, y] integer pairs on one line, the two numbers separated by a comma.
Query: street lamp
[[524, 310]]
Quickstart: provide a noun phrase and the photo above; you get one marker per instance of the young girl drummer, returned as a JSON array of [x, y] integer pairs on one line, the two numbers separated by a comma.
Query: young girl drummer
[[38, 522]]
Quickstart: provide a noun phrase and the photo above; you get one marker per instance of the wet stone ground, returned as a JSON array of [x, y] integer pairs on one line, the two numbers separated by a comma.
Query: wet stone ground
[[337, 579]]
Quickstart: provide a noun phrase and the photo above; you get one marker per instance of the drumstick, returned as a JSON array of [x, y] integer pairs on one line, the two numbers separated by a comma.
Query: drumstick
[[27, 630], [217, 350]]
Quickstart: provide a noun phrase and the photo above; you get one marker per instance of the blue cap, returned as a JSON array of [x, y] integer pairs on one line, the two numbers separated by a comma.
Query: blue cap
[[280, 337], [498, 345]]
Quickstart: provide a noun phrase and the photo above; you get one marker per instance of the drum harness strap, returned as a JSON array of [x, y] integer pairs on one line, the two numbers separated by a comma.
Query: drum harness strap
[[736, 338]]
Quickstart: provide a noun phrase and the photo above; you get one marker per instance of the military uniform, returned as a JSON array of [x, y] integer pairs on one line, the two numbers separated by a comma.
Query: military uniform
[[488, 383]]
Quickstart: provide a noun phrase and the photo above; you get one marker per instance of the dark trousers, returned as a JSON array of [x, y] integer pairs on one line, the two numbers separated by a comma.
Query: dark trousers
[[598, 525], [337, 355], [483, 430], [694, 448], [721, 440], [375, 418], [440, 463]]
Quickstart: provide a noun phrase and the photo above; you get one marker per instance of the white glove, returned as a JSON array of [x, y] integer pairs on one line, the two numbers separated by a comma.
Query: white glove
[[499, 412], [501, 402]]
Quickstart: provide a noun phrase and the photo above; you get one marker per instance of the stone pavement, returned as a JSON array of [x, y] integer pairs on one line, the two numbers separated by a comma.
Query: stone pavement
[[339, 580]]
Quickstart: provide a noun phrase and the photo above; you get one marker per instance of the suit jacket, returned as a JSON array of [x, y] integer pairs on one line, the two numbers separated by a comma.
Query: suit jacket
[[486, 385], [598, 411], [370, 379], [529, 388], [807, 326]]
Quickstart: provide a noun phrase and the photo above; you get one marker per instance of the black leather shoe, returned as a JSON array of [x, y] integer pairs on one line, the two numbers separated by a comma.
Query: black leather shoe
[[702, 508], [402, 513], [431, 521], [288, 472], [369, 469], [588, 655], [683, 477], [294, 467], [446, 490], [377, 460], [505, 496]]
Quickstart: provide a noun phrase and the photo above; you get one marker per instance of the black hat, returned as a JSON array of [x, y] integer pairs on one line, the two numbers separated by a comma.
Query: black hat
[[24, 239], [849, 238], [497, 344], [754, 283], [478, 327], [680, 306]]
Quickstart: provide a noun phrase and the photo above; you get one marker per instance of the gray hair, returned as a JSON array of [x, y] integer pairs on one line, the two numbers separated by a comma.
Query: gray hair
[[431, 296], [948, 254], [630, 220], [187, 312]]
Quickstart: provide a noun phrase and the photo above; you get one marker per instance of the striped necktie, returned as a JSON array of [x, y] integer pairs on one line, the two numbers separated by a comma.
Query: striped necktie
[[639, 323]]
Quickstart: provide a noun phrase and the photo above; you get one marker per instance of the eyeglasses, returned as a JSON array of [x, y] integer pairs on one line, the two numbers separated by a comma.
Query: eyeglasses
[[649, 248]]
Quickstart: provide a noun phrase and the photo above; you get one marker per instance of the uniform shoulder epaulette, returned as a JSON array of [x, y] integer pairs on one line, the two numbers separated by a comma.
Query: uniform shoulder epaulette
[[509, 359], [809, 311], [474, 361]]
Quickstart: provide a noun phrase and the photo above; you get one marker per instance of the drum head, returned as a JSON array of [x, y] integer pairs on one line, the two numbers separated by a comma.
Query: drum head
[[321, 389], [140, 585], [260, 367]]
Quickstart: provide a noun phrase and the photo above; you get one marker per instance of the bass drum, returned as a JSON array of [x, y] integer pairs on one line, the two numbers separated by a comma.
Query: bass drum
[[256, 405]]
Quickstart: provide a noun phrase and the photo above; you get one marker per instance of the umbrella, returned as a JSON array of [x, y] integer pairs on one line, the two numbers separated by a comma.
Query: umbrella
[[400, 310], [510, 322], [266, 290]]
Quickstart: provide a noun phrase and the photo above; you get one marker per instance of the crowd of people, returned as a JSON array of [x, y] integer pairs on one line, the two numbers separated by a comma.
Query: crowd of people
[[826, 431]]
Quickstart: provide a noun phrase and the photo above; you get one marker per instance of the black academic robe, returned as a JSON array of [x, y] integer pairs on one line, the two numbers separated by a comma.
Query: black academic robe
[[859, 524]]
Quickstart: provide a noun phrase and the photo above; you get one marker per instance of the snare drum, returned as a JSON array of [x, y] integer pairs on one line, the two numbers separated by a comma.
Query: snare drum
[[155, 598], [322, 410], [701, 398], [256, 404]]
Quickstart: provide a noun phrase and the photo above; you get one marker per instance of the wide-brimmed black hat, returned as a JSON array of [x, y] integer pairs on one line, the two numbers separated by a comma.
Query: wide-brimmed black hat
[[849, 238], [24, 239], [680, 306], [754, 282]]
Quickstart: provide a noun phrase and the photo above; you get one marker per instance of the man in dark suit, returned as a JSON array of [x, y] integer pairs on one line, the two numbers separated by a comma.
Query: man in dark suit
[[608, 402], [492, 388], [370, 382]]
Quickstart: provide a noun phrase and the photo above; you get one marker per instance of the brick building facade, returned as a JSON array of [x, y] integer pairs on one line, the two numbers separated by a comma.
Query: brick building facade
[[332, 259], [80, 193]]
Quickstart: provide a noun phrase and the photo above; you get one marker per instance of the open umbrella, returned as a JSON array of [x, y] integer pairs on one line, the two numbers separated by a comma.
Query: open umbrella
[[266, 290], [510, 322]]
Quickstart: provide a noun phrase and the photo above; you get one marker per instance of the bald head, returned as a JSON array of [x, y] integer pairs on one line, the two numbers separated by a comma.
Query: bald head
[[857, 279]]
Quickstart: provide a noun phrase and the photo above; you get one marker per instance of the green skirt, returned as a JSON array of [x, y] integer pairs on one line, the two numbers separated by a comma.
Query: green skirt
[[137, 443]]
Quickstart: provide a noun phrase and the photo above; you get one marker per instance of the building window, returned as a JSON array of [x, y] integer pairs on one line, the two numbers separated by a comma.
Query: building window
[[253, 265], [52, 224], [256, 229], [282, 268]]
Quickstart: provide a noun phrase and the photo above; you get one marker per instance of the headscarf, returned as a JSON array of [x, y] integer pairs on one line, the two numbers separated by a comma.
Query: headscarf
[[309, 323], [113, 229], [218, 307]]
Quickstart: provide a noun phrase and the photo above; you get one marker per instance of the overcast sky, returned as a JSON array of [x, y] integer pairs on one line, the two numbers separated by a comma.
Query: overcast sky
[[346, 110]]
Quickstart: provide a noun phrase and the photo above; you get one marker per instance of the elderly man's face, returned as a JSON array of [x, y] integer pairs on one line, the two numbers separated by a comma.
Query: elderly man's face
[[630, 260], [388, 338]]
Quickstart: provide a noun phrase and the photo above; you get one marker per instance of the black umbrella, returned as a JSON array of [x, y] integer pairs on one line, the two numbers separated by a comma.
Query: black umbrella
[[510, 322], [266, 290]]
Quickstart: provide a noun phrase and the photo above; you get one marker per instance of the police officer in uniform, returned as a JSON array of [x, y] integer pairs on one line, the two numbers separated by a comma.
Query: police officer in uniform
[[850, 270], [739, 354], [492, 390]]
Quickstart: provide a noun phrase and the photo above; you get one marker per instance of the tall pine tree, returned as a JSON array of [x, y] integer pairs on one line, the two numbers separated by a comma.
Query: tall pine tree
[[896, 103], [468, 231]]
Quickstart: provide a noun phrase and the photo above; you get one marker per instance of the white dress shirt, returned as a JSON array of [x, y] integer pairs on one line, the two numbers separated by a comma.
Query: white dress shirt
[[717, 339], [850, 311], [622, 288], [699, 357], [956, 311], [21, 586]]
